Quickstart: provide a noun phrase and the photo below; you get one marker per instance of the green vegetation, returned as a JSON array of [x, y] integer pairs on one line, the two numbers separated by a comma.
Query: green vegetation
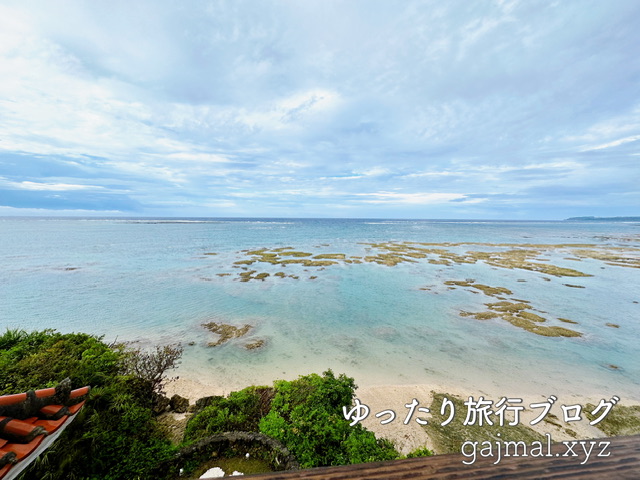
[[116, 435], [304, 414], [313, 405], [419, 452], [239, 411]]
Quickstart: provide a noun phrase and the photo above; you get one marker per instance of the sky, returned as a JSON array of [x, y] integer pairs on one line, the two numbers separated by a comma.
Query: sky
[[486, 109]]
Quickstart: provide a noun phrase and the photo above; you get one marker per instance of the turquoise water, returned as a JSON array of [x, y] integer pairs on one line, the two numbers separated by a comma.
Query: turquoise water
[[149, 281]]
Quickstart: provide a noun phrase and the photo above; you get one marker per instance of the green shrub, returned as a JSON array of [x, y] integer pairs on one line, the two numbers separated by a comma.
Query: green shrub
[[41, 359], [419, 452], [115, 436], [306, 416], [240, 411]]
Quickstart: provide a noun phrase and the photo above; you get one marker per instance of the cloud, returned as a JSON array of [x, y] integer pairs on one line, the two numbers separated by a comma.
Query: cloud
[[53, 187], [615, 143], [232, 106], [411, 198]]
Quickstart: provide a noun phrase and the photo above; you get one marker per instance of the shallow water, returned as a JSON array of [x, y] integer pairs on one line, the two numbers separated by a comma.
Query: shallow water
[[149, 280]]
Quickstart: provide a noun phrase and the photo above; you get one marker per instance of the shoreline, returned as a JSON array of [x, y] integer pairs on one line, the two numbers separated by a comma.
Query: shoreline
[[406, 438]]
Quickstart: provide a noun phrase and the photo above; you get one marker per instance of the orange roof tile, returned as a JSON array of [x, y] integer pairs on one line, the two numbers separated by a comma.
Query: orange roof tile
[[30, 422]]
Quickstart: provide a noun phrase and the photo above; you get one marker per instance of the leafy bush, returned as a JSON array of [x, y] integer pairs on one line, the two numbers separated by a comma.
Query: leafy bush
[[41, 359], [240, 411], [419, 452], [115, 435], [306, 416]]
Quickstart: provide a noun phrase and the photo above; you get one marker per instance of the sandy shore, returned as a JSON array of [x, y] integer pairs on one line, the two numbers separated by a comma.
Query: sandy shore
[[411, 436]]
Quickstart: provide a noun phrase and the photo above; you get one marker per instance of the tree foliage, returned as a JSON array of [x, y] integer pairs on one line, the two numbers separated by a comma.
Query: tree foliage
[[239, 411], [115, 435], [304, 414]]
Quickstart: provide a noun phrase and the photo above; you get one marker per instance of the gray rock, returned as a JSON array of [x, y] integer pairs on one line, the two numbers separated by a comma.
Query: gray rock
[[179, 404], [160, 404]]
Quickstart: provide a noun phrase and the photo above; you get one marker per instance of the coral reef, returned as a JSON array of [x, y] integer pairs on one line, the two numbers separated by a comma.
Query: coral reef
[[226, 331]]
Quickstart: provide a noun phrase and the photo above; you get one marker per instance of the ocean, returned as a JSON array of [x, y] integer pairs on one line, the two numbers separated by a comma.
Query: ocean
[[403, 315]]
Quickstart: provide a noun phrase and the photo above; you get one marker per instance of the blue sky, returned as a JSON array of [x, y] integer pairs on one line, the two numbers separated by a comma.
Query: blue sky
[[380, 109]]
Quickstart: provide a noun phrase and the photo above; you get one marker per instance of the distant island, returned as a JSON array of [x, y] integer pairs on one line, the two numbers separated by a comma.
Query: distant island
[[603, 219]]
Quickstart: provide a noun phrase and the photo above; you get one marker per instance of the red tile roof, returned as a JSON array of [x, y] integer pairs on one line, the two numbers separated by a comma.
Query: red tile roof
[[30, 422]]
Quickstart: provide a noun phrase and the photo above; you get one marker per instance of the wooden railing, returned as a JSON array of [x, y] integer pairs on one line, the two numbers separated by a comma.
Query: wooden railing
[[619, 460]]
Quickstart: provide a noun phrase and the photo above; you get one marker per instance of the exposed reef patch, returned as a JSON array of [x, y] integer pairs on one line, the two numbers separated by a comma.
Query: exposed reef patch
[[511, 256], [615, 256], [486, 289], [254, 345], [516, 312], [451, 437], [621, 420], [545, 261], [226, 332], [566, 320], [518, 315]]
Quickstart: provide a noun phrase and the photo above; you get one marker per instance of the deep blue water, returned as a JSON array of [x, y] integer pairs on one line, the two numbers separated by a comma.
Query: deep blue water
[[149, 280]]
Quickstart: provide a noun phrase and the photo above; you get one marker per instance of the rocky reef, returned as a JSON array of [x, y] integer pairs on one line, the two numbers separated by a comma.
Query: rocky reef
[[531, 257]]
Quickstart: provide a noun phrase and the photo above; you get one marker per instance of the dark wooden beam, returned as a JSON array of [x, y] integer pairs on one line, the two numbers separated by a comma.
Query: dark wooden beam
[[620, 460]]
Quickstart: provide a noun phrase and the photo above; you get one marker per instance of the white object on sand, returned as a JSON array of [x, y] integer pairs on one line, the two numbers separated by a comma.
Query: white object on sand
[[215, 472]]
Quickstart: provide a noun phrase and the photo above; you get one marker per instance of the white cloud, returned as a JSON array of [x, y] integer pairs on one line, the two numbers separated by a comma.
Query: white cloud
[[615, 143], [58, 187], [432, 174], [53, 187], [411, 198], [12, 211]]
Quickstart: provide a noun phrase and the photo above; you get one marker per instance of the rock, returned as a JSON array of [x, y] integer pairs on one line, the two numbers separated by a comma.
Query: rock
[[204, 402], [160, 404], [254, 345], [226, 332], [179, 404]]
